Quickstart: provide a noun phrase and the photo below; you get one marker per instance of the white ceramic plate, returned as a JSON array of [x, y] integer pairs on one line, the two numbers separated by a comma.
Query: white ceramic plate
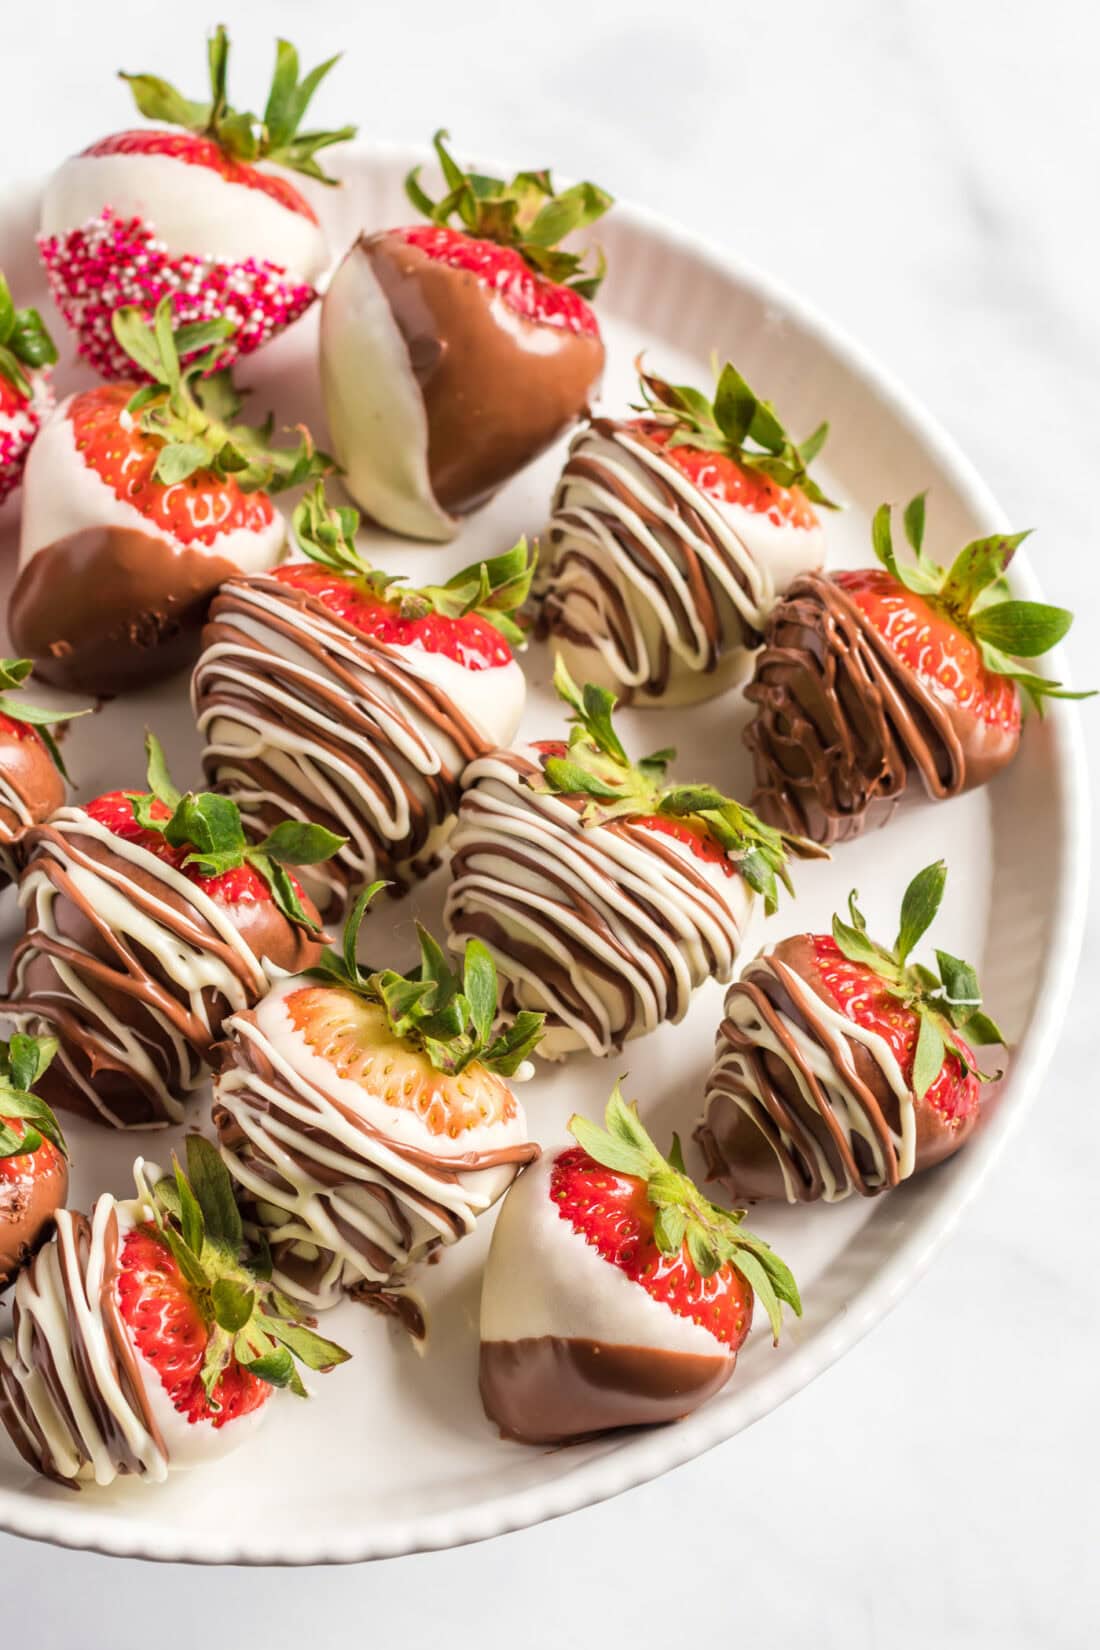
[[394, 1454]]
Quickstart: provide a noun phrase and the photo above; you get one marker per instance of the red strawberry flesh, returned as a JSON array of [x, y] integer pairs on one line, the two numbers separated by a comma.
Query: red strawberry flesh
[[721, 477], [171, 1333], [613, 1215], [196, 511], [933, 647], [195, 150], [862, 995], [504, 269], [470, 641]]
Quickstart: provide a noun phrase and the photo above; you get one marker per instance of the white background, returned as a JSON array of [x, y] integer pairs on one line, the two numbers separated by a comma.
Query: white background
[[926, 174]]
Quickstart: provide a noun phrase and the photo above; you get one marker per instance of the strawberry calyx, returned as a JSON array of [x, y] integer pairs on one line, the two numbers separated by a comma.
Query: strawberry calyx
[[22, 1062], [491, 590], [597, 767], [685, 1222], [250, 1323], [209, 826], [737, 423], [191, 410], [446, 1016], [13, 673], [973, 595], [948, 1003], [523, 213], [241, 135], [24, 342]]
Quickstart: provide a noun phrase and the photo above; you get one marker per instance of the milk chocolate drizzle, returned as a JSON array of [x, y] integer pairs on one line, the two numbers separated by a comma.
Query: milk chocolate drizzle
[[305, 717], [133, 969], [30, 789], [607, 930], [842, 725], [646, 569], [72, 1395], [804, 1103]]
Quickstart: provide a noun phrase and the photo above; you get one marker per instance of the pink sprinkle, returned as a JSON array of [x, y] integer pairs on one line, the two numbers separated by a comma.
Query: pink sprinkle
[[111, 261], [18, 431]]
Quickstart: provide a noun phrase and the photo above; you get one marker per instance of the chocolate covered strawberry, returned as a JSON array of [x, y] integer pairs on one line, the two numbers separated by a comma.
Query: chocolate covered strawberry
[[615, 1295], [453, 352], [32, 771], [366, 1117], [190, 213], [26, 395], [147, 1336], [874, 679], [150, 916], [330, 690], [34, 1164], [843, 1065], [672, 536], [605, 894], [139, 502]]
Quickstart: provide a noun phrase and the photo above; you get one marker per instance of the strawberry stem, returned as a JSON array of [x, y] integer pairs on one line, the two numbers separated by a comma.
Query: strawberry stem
[[973, 595], [948, 1003], [434, 1010], [523, 213], [492, 590], [242, 135], [736, 423], [22, 1062], [13, 673], [24, 341], [597, 767], [684, 1218]]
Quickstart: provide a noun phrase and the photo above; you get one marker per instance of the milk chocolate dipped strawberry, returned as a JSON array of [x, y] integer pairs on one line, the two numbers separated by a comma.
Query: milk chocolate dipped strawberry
[[871, 682], [605, 895], [34, 1163], [32, 772], [139, 502], [26, 395], [329, 690], [188, 213], [151, 916], [147, 1336], [453, 353], [843, 1066], [366, 1118], [672, 536], [615, 1295]]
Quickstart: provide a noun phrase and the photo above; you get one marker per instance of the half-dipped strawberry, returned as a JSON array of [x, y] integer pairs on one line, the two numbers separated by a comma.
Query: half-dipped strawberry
[[452, 354], [673, 535], [147, 1336], [615, 1295], [605, 895], [32, 771], [366, 1118], [26, 395], [149, 917], [34, 1165], [190, 213], [843, 1066], [330, 690], [907, 672], [138, 503]]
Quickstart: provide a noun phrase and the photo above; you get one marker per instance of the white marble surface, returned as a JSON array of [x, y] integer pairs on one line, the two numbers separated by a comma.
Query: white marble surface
[[925, 172]]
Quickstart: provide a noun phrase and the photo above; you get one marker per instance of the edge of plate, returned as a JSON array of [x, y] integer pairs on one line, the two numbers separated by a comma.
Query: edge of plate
[[652, 1454]]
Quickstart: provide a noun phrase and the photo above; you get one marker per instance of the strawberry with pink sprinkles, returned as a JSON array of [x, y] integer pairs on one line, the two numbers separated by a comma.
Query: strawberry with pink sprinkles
[[190, 215], [26, 395]]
